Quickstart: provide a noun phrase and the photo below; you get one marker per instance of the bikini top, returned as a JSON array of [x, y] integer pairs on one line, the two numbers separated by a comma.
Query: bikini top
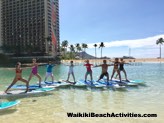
[[18, 70]]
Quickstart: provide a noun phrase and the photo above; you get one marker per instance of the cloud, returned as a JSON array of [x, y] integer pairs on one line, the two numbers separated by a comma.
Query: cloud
[[137, 43]]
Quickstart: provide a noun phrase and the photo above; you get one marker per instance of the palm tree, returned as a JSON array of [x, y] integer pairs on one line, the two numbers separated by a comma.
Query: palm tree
[[78, 47], [84, 46], [64, 45], [159, 42], [101, 46], [72, 49], [62, 51], [95, 45]]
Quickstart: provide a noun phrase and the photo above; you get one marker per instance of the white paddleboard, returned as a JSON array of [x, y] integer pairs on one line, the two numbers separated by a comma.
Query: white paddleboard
[[136, 81], [123, 82]]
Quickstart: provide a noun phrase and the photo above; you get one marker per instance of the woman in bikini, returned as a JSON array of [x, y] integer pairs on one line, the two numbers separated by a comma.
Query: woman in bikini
[[34, 71], [121, 68], [18, 77], [116, 69]]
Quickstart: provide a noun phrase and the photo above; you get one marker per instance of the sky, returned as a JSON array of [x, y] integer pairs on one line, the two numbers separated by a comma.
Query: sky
[[120, 24]]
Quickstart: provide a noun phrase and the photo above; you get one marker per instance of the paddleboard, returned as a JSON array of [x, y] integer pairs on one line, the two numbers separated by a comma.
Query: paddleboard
[[5, 105], [125, 82], [92, 83], [31, 87], [135, 81], [111, 84], [22, 92], [70, 82], [57, 83], [80, 84], [76, 84]]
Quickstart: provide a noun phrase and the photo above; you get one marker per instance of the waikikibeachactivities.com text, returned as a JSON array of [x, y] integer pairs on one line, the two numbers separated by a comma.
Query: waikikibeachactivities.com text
[[92, 114]]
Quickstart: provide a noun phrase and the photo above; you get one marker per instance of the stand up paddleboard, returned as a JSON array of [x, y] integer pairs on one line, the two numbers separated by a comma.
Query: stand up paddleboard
[[80, 84], [124, 82], [75, 84], [111, 84], [135, 81], [5, 105], [32, 87], [22, 92], [65, 81], [57, 83], [92, 83]]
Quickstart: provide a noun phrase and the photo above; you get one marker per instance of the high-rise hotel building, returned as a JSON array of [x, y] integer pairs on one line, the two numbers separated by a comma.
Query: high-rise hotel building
[[30, 25]]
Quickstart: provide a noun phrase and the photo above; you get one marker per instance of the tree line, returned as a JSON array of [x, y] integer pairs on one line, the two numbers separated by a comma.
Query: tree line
[[74, 49], [77, 48], [65, 54]]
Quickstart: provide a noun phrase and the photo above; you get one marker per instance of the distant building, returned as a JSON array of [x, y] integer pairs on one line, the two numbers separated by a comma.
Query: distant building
[[25, 26]]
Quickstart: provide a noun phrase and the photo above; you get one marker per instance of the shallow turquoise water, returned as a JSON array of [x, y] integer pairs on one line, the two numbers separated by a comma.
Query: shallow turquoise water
[[53, 107]]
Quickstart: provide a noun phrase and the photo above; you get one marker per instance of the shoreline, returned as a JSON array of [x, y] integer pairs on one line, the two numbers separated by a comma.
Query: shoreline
[[140, 60]]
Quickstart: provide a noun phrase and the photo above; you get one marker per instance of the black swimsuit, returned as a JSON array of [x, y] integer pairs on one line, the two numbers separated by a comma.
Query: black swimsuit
[[121, 67]]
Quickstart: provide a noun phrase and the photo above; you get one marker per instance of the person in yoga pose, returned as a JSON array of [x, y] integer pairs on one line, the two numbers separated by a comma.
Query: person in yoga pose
[[34, 71], [18, 77]]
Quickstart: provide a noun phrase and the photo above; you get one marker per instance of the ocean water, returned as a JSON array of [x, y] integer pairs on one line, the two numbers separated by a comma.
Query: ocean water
[[53, 107]]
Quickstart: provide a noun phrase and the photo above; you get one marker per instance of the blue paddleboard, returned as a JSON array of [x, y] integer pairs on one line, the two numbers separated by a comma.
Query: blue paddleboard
[[5, 105], [31, 87], [112, 84], [79, 84], [92, 83], [22, 92]]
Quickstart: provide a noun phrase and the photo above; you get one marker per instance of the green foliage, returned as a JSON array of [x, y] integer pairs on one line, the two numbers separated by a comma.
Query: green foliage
[[160, 41], [69, 55], [95, 45], [101, 46], [73, 50], [64, 44], [84, 46], [78, 47]]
